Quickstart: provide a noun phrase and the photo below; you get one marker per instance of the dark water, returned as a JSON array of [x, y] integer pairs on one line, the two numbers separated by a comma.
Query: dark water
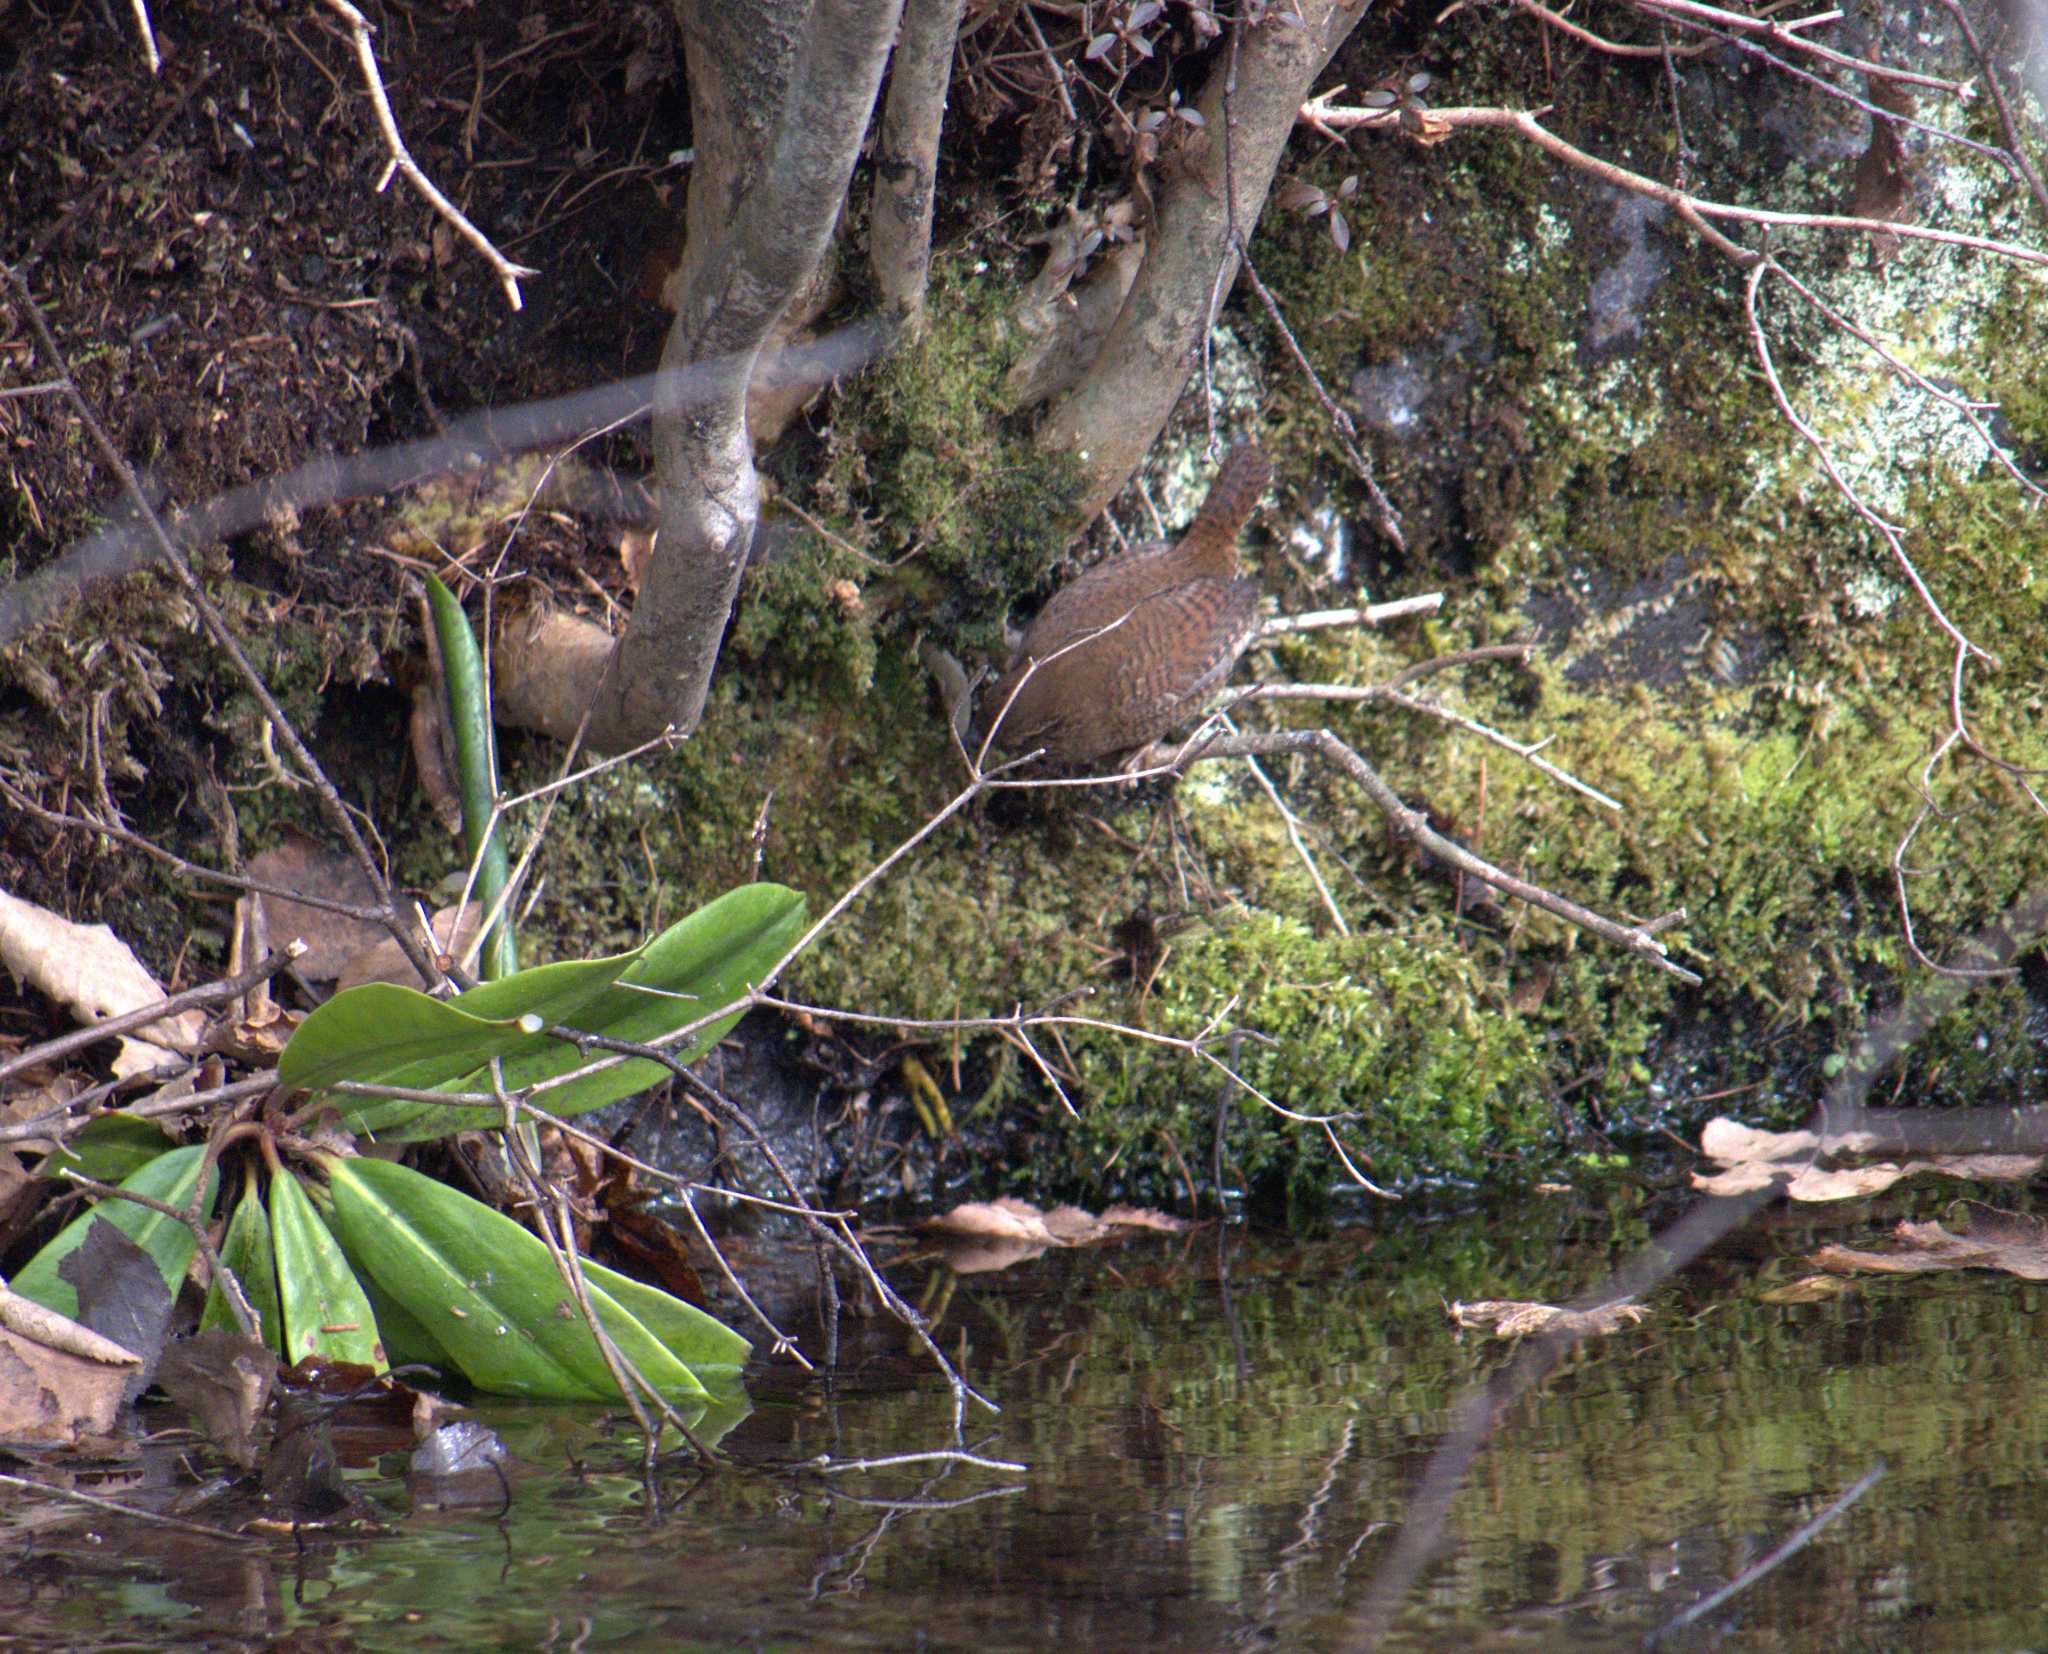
[[1231, 1444]]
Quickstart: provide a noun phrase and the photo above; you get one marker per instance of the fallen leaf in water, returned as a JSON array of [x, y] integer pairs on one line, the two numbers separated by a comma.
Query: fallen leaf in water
[[1808, 1289], [1785, 1159], [223, 1380], [990, 1235], [90, 971], [1144, 1217], [1510, 1318], [1005, 1219], [1997, 1240]]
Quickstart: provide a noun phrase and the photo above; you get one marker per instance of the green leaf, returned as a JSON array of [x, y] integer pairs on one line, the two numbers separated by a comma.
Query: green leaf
[[170, 1178], [406, 1339], [383, 1034], [395, 1036], [110, 1148], [476, 765], [707, 1346], [325, 1311], [489, 1293], [246, 1250]]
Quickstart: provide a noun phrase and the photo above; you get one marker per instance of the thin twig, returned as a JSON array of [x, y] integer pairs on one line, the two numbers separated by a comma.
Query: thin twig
[[360, 30]]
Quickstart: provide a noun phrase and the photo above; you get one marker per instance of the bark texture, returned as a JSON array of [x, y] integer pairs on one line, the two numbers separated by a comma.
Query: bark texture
[[907, 156], [780, 93], [1112, 417]]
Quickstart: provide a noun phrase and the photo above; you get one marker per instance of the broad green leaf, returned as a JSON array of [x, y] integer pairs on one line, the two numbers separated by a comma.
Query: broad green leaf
[[383, 1034], [170, 1178], [325, 1312], [111, 1147], [406, 1339], [707, 1346], [698, 964], [246, 1250], [488, 1291]]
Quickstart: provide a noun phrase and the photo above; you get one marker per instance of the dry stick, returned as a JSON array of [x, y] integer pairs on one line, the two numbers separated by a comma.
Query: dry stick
[[217, 628], [1385, 518], [1293, 824], [780, 1342], [1195, 1045], [93, 1501], [360, 30], [1694, 209], [1640, 940], [162, 1107], [632, 1383], [211, 993], [149, 51], [1691, 12], [1972, 411], [1841, 94], [1530, 753], [1886, 531], [1600, 43], [837, 1234], [832, 1231], [1373, 614], [2015, 148]]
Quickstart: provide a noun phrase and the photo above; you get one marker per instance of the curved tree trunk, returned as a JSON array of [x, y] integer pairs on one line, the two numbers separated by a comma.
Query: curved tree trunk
[[907, 156], [780, 95], [1112, 417]]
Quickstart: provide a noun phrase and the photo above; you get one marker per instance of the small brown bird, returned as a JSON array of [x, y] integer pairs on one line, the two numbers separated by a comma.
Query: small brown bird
[[1139, 643]]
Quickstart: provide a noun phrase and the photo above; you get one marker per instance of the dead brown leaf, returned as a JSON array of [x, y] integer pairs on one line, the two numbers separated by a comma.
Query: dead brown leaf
[[302, 863], [92, 972], [1144, 1217], [59, 1381], [386, 962], [984, 1236], [2004, 1241], [223, 1380], [1511, 1318], [1005, 1220], [1785, 1159]]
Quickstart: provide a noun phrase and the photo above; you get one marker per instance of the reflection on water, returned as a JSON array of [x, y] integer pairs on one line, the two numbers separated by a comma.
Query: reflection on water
[[1211, 1466]]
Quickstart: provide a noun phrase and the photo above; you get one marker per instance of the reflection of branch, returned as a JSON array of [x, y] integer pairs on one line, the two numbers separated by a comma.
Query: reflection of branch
[[360, 29], [93, 1501], [825, 1465], [1421, 1531], [1777, 1557]]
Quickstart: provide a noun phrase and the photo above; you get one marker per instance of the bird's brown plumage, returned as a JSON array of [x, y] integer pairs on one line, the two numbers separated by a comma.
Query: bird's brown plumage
[[1136, 644]]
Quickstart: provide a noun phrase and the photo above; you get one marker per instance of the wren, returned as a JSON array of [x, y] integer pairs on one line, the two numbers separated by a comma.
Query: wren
[[1139, 643]]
